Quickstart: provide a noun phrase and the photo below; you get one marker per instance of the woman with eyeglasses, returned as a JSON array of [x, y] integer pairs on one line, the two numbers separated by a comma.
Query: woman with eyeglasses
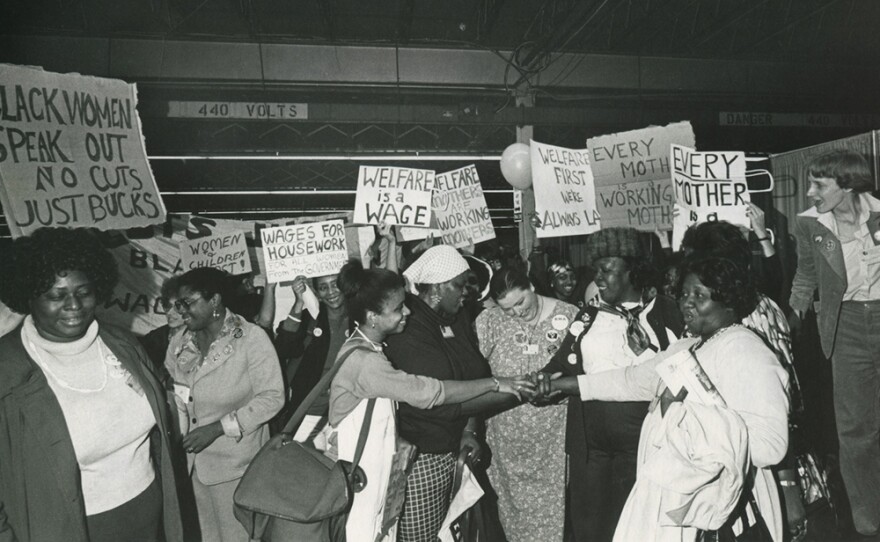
[[85, 451], [227, 382]]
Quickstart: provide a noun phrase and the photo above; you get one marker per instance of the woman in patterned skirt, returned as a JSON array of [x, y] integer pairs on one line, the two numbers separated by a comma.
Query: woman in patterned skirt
[[528, 444]]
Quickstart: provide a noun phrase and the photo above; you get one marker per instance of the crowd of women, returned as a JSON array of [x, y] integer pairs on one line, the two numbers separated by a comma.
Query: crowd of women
[[600, 407]]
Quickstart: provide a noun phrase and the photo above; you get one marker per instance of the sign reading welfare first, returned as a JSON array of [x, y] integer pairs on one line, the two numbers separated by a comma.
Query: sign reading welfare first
[[565, 197], [71, 153], [312, 250], [395, 195], [633, 178]]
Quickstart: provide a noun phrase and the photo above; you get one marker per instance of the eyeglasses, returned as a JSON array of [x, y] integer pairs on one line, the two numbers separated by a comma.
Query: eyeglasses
[[184, 304]]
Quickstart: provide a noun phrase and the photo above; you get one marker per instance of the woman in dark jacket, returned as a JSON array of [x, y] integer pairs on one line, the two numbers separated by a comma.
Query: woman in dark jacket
[[84, 428]]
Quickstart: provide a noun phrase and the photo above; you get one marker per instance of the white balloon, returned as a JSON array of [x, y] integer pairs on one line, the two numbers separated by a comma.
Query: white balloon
[[516, 165]]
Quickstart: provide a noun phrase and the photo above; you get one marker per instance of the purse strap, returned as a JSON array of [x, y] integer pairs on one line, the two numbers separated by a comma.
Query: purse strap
[[300, 413]]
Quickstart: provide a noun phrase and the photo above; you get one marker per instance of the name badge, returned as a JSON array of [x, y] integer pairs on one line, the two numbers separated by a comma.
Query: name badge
[[447, 332], [182, 392], [530, 349]]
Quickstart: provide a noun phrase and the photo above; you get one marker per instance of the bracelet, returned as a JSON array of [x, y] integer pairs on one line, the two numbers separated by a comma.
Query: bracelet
[[294, 318], [788, 483], [760, 239], [497, 384], [472, 432]]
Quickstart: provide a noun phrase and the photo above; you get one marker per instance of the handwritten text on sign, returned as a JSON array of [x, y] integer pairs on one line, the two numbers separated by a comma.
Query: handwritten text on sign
[[311, 250], [565, 198], [394, 195], [633, 179], [708, 186], [225, 251], [461, 208], [71, 153]]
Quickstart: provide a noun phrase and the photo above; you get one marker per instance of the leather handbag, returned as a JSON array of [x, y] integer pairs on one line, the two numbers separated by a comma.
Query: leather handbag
[[291, 491]]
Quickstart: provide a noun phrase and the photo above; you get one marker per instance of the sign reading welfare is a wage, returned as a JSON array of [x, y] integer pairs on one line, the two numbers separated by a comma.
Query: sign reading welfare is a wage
[[633, 179], [708, 186], [394, 195], [565, 198], [461, 209], [311, 250], [226, 251], [71, 153]]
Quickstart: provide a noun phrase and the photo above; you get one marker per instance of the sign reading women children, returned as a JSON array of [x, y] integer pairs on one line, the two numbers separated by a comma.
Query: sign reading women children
[[72, 154]]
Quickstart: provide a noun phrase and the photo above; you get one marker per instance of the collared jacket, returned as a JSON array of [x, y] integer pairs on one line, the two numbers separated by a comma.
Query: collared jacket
[[40, 489], [241, 375], [821, 266]]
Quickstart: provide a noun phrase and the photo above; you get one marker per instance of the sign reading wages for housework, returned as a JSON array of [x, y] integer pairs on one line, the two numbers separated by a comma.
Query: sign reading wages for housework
[[71, 153], [312, 250], [394, 195]]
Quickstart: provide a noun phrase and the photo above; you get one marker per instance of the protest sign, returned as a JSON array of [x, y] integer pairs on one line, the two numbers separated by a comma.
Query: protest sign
[[225, 251], [72, 154], [311, 250], [394, 195], [708, 186], [460, 208], [632, 175], [565, 197]]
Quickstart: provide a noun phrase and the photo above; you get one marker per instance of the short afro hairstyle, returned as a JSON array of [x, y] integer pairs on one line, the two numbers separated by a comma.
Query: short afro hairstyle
[[848, 168], [717, 238], [730, 283], [34, 263]]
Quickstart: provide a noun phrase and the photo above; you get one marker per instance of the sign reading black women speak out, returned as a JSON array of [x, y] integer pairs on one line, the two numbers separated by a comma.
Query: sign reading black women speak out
[[633, 178], [72, 154], [394, 195], [312, 250]]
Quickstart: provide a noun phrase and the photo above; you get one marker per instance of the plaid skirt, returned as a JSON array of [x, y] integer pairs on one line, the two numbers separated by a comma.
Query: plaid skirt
[[428, 489]]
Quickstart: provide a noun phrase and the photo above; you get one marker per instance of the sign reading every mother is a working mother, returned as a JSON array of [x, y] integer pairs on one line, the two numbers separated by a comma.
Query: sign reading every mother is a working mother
[[565, 198], [707, 186]]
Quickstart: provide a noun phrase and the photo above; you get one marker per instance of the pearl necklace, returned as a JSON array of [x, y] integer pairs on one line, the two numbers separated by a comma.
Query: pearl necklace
[[64, 384]]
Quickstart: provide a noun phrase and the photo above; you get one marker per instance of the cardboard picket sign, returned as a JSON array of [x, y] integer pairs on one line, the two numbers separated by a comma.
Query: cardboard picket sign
[[311, 250], [708, 186], [225, 251], [72, 154], [565, 196], [460, 208], [394, 195], [633, 178]]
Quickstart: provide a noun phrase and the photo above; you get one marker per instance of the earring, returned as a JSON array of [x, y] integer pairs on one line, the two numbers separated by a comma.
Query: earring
[[435, 300], [216, 314]]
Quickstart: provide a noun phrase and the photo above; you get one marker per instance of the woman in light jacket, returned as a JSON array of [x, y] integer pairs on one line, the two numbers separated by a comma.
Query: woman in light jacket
[[228, 384]]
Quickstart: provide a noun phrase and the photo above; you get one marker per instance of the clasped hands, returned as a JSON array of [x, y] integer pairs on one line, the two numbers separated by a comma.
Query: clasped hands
[[535, 387]]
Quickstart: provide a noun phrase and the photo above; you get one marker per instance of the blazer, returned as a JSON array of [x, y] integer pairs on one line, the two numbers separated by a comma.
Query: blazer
[[40, 490], [242, 376], [821, 266]]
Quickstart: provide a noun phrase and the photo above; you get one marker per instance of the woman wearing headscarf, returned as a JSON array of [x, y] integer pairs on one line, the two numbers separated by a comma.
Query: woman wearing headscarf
[[375, 301], [84, 429], [227, 380], [623, 329], [519, 335], [439, 342]]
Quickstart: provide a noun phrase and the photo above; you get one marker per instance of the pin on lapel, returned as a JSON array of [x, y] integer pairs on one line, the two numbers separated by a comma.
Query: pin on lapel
[[817, 239], [829, 245]]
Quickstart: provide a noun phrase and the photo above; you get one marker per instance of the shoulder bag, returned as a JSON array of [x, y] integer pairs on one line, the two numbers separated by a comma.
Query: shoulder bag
[[291, 491]]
